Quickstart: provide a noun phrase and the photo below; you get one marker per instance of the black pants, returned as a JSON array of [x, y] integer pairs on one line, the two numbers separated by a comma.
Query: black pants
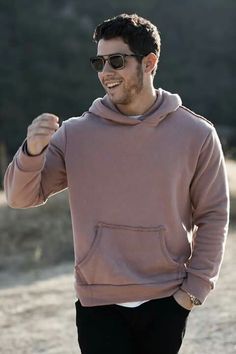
[[155, 327]]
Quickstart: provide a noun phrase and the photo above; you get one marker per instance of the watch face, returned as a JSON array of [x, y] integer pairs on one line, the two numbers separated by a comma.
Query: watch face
[[197, 302]]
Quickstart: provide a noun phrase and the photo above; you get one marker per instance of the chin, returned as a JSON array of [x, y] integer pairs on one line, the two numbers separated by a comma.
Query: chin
[[120, 100]]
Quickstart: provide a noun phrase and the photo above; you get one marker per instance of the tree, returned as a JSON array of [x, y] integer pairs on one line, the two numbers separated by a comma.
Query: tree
[[45, 48]]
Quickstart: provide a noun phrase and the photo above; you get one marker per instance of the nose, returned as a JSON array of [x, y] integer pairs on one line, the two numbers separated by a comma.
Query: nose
[[107, 67]]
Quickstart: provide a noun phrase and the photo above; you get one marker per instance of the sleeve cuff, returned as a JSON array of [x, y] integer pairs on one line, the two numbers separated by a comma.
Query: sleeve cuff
[[27, 162], [196, 286]]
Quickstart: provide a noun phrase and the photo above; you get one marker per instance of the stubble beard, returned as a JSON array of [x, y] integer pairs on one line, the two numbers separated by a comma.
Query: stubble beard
[[131, 88]]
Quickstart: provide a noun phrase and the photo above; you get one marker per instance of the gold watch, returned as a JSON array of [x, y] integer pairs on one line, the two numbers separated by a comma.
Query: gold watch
[[194, 300]]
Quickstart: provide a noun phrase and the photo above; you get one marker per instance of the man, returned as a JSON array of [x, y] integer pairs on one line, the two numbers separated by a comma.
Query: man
[[148, 198]]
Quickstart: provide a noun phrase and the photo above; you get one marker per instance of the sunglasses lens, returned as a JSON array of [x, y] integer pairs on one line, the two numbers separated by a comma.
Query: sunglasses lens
[[116, 61], [97, 63]]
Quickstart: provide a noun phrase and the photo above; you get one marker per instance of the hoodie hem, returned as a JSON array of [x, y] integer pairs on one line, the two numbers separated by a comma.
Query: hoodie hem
[[97, 295]]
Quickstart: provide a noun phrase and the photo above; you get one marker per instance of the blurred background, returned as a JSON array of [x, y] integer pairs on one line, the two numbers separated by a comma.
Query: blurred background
[[44, 60], [44, 67]]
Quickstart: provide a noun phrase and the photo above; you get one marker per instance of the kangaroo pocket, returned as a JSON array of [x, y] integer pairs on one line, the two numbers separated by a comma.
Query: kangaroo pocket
[[122, 255]]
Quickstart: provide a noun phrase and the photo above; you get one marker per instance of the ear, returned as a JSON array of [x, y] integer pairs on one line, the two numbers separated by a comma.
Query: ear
[[150, 62]]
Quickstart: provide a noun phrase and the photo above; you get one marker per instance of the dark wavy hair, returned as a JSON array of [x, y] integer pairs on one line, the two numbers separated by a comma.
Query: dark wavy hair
[[140, 34]]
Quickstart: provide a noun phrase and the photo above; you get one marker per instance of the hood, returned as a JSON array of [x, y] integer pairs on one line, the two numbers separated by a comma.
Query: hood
[[165, 103]]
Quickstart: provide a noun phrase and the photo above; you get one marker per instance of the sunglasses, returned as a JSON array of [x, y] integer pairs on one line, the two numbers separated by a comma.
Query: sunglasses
[[116, 61]]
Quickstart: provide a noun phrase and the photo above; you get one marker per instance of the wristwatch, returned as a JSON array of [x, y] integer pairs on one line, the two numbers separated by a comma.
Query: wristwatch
[[194, 300]]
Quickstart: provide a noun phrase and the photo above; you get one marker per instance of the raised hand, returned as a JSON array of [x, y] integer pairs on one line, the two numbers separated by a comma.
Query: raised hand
[[40, 132]]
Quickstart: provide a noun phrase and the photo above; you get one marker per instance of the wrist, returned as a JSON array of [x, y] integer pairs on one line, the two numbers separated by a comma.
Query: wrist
[[194, 300], [26, 150], [30, 153], [183, 299]]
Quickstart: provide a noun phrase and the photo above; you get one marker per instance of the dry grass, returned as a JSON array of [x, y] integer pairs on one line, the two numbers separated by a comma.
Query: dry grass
[[231, 171], [36, 237]]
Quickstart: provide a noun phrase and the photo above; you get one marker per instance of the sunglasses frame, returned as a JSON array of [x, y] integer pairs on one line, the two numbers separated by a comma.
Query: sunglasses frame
[[110, 56]]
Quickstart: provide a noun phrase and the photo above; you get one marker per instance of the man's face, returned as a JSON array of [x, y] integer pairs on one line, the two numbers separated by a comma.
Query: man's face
[[124, 86]]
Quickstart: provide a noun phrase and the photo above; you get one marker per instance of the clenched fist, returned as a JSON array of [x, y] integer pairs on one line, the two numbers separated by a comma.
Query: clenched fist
[[40, 132]]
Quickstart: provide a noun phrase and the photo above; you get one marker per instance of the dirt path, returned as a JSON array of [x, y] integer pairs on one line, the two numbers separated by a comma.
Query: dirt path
[[37, 313]]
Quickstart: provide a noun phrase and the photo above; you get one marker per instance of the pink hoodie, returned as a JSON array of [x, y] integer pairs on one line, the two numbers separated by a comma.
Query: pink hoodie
[[149, 199]]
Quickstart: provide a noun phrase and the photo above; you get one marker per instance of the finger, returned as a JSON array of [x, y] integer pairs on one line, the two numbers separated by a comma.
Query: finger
[[44, 124], [40, 135], [47, 117], [40, 131], [47, 124]]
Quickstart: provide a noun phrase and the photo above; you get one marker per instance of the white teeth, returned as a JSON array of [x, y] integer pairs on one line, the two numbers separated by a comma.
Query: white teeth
[[113, 84]]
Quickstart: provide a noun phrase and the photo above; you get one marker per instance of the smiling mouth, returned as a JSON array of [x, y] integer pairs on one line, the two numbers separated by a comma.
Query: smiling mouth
[[111, 85]]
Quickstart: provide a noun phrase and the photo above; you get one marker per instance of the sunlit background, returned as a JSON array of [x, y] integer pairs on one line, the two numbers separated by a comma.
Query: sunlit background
[[44, 67], [45, 48]]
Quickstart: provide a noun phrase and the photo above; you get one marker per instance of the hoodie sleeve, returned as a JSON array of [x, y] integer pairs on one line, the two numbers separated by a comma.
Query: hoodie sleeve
[[210, 203], [30, 180]]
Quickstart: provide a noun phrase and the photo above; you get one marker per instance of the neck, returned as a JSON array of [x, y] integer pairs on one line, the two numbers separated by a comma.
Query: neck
[[140, 105]]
